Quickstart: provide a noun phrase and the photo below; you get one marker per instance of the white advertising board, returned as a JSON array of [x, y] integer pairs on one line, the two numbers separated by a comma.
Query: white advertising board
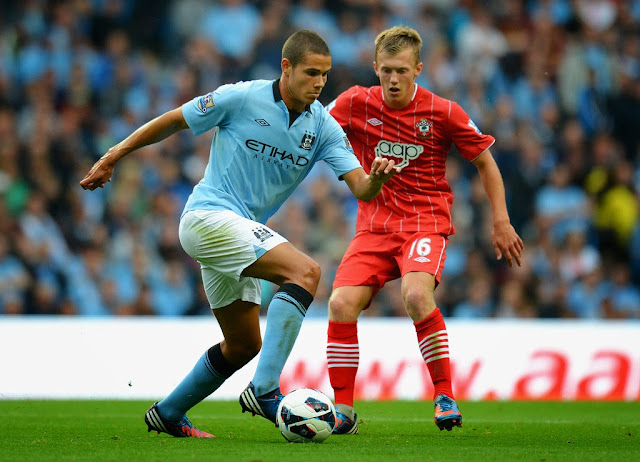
[[144, 358]]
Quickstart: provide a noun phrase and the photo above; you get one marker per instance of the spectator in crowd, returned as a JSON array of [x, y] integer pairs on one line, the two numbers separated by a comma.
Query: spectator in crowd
[[479, 302], [560, 206], [14, 280], [586, 296], [232, 26], [624, 300]]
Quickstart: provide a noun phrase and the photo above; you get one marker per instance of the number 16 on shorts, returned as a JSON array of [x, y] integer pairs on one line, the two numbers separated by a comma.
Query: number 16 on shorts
[[425, 254], [422, 247]]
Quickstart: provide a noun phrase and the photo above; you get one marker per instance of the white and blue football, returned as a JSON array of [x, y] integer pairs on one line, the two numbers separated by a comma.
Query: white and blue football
[[306, 415]]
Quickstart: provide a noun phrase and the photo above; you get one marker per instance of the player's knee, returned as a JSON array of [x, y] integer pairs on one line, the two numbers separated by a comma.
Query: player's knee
[[315, 272], [340, 309], [416, 299], [311, 276]]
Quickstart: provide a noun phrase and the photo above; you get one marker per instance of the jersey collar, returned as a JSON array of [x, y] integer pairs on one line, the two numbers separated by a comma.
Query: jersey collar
[[277, 96], [415, 90]]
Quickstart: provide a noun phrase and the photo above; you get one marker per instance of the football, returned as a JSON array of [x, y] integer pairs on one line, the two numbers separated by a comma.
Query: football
[[306, 415]]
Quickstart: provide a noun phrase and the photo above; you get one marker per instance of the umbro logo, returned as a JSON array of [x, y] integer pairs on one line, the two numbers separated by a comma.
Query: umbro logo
[[262, 122], [375, 122], [422, 259]]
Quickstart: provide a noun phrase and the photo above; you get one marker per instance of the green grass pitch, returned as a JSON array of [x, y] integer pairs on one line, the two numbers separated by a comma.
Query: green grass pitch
[[389, 431]]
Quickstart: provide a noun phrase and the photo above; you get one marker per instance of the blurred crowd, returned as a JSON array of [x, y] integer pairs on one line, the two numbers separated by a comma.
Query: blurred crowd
[[557, 82]]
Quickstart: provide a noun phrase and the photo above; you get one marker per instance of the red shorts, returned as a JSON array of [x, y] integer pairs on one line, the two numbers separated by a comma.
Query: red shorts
[[373, 259]]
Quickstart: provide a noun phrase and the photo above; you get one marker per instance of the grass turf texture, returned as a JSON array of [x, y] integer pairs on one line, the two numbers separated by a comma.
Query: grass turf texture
[[115, 430]]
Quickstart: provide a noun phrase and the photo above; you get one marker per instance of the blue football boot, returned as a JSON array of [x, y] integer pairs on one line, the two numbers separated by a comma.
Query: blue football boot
[[447, 414], [265, 405], [346, 420]]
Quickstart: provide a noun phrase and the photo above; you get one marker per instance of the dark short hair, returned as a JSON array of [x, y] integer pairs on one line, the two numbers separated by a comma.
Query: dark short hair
[[301, 43], [398, 38]]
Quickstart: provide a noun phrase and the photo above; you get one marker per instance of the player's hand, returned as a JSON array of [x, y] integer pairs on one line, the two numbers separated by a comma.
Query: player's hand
[[507, 243], [382, 169], [99, 174]]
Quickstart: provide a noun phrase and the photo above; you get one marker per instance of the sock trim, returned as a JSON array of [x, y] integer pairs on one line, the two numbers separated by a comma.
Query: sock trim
[[431, 319], [343, 355], [298, 296], [342, 330], [218, 364]]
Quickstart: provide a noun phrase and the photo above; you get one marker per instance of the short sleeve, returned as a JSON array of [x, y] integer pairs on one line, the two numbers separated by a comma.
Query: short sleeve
[[336, 149], [216, 108], [467, 137]]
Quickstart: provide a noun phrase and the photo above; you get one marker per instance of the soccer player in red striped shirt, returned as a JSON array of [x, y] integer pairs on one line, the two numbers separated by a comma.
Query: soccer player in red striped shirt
[[403, 233]]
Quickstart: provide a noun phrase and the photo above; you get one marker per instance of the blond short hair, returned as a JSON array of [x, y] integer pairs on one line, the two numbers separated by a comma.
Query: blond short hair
[[398, 38]]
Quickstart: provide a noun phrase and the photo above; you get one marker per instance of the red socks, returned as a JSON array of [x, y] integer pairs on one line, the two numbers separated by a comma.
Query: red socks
[[343, 357], [434, 347]]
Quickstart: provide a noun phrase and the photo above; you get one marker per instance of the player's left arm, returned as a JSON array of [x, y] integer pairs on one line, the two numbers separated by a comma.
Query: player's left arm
[[506, 241], [366, 187], [337, 151]]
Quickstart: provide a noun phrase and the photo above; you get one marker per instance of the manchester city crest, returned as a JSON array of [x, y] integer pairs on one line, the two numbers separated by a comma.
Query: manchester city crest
[[307, 141]]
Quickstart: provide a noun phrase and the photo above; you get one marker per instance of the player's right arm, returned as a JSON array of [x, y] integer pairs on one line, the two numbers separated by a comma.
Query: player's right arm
[[152, 132], [366, 187]]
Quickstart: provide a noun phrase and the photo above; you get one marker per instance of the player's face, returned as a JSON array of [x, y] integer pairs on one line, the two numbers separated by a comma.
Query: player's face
[[397, 75], [302, 84]]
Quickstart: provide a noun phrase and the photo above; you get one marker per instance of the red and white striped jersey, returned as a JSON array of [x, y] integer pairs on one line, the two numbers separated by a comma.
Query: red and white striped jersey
[[418, 138]]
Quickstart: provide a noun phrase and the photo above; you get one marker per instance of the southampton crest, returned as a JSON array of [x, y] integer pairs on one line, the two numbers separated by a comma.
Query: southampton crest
[[307, 141], [424, 129]]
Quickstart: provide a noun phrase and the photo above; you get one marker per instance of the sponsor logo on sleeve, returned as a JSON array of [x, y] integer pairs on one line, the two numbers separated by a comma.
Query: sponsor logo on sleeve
[[347, 144], [474, 126], [330, 106], [205, 102]]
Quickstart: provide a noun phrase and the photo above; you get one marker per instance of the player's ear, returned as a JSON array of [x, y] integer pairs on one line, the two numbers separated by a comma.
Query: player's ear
[[375, 68], [419, 69], [286, 66]]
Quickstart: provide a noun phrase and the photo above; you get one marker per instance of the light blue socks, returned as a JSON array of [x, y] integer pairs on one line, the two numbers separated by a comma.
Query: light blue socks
[[284, 318], [211, 370]]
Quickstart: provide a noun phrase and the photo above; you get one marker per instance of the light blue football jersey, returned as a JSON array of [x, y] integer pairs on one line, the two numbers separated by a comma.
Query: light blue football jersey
[[257, 160]]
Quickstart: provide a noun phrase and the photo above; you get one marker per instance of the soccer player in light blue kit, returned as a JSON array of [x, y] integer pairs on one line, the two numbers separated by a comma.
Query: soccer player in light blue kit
[[268, 135]]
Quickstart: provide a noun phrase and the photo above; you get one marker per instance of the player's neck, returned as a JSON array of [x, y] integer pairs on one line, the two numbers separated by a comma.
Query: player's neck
[[402, 103], [291, 103]]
